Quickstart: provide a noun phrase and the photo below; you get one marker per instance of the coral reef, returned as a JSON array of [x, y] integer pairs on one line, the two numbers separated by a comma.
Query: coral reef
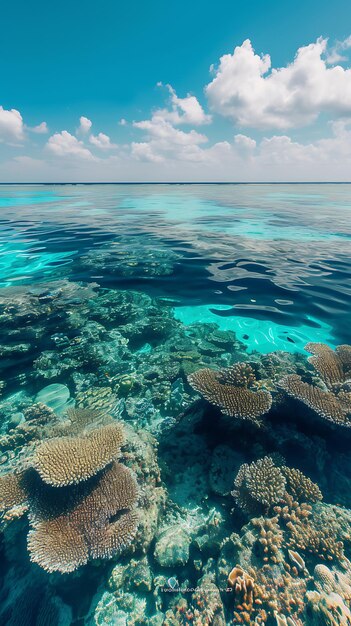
[[333, 403], [229, 389], [68, 540], [259, 485], [68, 460], [70, 515], [125, 476]]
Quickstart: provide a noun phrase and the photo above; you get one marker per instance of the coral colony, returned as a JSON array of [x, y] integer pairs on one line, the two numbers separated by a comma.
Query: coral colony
[[163, 473]]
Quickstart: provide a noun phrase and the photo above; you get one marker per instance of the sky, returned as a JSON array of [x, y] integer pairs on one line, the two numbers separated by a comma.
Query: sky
[[237, 90]]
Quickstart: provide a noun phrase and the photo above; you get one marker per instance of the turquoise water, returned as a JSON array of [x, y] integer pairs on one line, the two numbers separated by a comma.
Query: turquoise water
[[157, 398]]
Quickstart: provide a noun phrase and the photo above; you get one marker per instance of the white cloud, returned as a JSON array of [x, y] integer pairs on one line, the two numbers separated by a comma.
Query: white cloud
[[336, 54], [64, 144], [102, 141], [142, 151], [278, 157], [246, 89], [40, 129], [85, 125], [166, 141], [11, 126], [186, 110], [122, 122]]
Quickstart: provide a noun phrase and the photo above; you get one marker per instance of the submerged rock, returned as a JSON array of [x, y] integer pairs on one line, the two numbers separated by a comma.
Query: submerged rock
[[172, 547]]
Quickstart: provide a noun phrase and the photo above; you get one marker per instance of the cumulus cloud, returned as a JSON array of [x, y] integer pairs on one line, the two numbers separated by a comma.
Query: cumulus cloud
[[122, 122], [11, 126], [85, 125], [102, 141], [166, 140], [40, 129], [64, 144], [186, 110], [143, 151], [247, 90]]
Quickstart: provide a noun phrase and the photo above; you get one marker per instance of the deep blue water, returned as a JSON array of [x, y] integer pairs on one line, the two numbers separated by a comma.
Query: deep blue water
[[271, 262]]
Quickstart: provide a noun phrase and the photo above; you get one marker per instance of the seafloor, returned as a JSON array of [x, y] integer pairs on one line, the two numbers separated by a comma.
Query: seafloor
[[163, 459]]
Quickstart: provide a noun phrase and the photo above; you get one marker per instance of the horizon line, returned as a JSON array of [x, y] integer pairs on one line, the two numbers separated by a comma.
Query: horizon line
[[295, 182]]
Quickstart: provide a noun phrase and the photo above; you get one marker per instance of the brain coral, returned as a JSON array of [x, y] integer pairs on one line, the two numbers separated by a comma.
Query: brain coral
[[98, 526], [68, 460], [228, 389]]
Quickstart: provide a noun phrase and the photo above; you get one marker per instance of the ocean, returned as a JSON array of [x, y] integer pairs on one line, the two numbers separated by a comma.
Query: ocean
[[175, 404]]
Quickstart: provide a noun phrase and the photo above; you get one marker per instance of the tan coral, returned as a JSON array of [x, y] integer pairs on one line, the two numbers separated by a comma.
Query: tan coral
[[326, 404], [258, 485], [12, 492], [300, 486], [270, 538], [68, 460], [321, 541], [331, 580], [233, 400], [67, 541], [328, 609], [344, 354], [327, 363], [239, 375], [243, 585], [78, 421]]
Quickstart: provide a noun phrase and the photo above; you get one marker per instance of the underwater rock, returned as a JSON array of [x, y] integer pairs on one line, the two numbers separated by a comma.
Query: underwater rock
[[172, 547], [55, 396], [190, 486], [108, 612], [135, 576]]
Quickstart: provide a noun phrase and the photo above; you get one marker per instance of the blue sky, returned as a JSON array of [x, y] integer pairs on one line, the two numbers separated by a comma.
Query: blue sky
[[104, 61]]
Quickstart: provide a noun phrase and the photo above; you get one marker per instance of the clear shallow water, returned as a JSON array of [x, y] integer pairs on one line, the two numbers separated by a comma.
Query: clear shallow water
[[115, 302], [276, 256]]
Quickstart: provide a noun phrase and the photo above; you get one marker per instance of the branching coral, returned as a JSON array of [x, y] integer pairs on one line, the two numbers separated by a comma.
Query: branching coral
[[229, 390], [311, 538], [300, 486], [68, 460], [334, 402], [258, 486], [270, 538], [12, 493]]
